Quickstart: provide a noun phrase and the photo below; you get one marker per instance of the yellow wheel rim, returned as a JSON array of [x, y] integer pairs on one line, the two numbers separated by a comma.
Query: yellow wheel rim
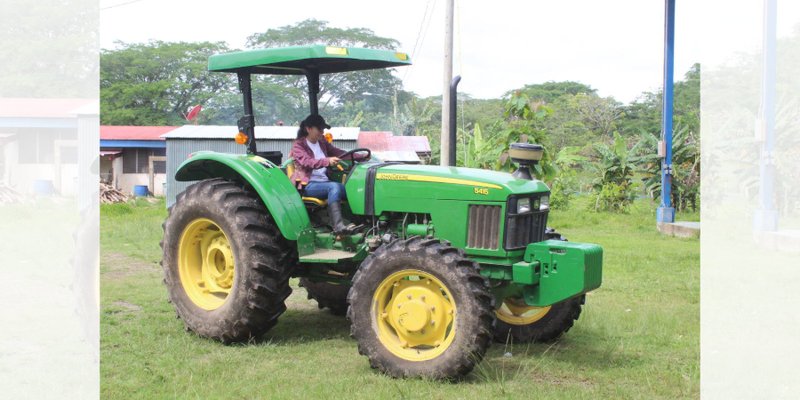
[[205, 264], [515, 312], [415, 315]]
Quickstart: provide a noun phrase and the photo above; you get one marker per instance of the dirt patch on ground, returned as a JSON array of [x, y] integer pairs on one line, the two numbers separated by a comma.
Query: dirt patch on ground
[[115, 266], [127, 306]]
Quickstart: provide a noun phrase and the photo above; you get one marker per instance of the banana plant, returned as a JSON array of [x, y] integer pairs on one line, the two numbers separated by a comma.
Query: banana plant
[[685, 167]]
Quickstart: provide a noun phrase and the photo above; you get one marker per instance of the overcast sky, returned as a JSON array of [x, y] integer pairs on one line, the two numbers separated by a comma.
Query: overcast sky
[[615, 46]]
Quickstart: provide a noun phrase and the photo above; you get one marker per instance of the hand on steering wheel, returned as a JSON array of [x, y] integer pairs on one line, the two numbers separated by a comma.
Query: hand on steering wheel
[[352, 155]]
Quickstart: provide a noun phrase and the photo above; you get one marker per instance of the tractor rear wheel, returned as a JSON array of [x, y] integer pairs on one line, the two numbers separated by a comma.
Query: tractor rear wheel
[[524, 323], [420, 308], [328, 295], [226, 264]]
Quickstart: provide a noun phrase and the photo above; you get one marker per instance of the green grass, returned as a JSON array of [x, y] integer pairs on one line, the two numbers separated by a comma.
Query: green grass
[[638, 336]]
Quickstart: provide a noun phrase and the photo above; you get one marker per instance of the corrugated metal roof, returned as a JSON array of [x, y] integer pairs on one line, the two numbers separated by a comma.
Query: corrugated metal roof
[[118, 132], [401, 155], [262, 132], [386, 141]]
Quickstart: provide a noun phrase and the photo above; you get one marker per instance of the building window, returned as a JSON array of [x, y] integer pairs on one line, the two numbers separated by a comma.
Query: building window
[[135, 161], [38, 146]]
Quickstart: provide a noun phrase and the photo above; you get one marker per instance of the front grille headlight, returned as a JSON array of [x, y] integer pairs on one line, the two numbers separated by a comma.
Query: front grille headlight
[[544, 203], [523, 205]]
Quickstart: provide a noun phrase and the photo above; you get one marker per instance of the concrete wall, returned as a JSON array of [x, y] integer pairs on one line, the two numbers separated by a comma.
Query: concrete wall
[[22, 176], [126, 182]]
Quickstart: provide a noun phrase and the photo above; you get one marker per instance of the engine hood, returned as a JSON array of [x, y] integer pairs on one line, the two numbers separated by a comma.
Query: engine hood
[[456, 183], [407, 182]]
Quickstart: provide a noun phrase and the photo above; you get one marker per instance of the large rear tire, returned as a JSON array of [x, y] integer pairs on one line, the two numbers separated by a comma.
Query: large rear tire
[[420, 308], [226, 264]]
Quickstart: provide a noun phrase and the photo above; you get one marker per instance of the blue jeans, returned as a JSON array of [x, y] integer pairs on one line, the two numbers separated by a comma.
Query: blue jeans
[[333, 191]]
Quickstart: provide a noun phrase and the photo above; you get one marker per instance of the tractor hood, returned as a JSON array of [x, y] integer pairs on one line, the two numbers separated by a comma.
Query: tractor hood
[[391, 186]]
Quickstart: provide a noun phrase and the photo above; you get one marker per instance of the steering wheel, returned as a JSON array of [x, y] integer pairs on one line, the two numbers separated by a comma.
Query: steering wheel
[[352, 155]]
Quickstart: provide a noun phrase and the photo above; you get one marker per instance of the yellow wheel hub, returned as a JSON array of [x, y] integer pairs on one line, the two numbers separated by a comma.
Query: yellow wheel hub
[[415, 315], [205, 264], [515, 312]]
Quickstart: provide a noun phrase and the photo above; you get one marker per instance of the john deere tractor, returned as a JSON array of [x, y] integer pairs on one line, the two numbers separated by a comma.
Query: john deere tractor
[[447, 259]]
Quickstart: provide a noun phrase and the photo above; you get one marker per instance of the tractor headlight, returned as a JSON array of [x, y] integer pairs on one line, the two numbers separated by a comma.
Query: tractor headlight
[[544, 203], [523, 205]]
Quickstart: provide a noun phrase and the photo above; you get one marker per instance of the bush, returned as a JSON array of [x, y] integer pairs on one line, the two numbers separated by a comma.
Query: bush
[[615, 197]]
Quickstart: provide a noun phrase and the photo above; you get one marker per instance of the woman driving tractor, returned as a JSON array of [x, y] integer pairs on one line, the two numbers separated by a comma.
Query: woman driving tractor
[[312, 155]]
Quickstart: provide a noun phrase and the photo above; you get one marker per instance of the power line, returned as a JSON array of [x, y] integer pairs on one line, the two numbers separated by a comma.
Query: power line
[[421, 25], [423, 31]]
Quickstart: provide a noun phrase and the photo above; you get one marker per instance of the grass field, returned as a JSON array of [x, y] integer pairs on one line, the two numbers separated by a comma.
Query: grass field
[[638, 336]]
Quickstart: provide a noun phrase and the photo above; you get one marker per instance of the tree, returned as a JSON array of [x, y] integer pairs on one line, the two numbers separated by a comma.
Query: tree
[[49, 48], [154, 83], [644, 114], [549, 92], [598, 114], [523, 122]]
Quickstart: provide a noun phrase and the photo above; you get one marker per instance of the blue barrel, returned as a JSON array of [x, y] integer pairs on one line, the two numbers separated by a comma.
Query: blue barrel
[[140, 190], [43, 187]]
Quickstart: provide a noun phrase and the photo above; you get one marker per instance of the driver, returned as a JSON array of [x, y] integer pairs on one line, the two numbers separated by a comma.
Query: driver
[[312, 154]]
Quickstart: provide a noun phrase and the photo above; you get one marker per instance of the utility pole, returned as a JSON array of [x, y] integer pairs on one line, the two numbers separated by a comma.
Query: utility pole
[[666, 212], [448, 76], [766, 214]]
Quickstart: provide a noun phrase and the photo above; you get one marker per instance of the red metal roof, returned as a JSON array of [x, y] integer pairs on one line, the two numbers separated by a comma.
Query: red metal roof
[[114, 132], [12, 107], [386, 141]]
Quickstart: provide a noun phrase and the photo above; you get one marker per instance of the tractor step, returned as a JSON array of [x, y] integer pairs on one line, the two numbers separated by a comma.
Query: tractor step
[[330, 256]]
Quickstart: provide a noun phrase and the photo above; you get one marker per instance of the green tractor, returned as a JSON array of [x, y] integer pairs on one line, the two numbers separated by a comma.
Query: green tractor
[[448, 259]]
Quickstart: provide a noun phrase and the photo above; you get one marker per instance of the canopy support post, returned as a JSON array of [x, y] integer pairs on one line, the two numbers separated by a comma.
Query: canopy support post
[[247, 123], [313, 91]]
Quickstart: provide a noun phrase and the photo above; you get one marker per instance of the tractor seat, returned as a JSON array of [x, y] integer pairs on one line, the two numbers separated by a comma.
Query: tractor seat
[[307, 201]]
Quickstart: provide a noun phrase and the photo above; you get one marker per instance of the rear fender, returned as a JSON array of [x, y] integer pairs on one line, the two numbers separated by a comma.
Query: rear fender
[[272, 185]]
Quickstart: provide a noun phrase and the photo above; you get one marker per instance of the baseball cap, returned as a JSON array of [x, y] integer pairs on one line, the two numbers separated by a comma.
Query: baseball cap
[[317, 121]]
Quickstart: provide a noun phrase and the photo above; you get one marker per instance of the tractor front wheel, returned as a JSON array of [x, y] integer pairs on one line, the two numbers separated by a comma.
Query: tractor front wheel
[[226, 265], [523, 323], [420, 308]]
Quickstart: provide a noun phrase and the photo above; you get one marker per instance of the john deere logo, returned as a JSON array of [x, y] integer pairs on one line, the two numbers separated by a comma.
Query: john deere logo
[[392, 177]]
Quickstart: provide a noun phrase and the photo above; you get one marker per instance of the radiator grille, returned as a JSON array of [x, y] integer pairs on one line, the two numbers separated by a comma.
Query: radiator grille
[[484, 227], [522, 229]]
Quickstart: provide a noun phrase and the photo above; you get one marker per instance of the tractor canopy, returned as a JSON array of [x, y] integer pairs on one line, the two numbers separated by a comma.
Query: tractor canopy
[[311, 61], [302, 60]]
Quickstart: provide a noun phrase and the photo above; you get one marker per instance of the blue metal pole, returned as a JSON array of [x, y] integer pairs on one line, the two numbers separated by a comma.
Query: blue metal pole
[[666, 213], [766, 215]]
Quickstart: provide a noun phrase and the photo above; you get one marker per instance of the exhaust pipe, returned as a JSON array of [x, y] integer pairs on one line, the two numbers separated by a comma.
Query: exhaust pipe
[[453, 100]]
